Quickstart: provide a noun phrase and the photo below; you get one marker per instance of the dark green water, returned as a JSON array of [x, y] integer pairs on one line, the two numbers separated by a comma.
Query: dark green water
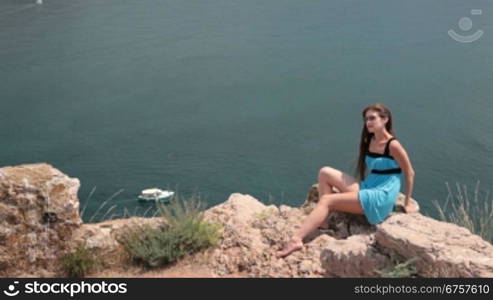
[[231, 96]]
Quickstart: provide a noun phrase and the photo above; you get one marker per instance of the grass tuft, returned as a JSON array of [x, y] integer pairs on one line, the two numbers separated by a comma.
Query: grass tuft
[[79, 262], [475, 215], [399, 269]]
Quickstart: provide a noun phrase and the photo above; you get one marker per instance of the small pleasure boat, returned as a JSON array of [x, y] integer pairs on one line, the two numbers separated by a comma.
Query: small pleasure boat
[[155, 194]]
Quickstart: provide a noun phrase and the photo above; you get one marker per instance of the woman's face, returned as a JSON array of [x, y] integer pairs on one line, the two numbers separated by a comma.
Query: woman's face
[[373, 121]]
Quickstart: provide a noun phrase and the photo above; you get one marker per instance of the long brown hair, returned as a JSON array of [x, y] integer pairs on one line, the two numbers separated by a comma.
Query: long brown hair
[[383, 111]]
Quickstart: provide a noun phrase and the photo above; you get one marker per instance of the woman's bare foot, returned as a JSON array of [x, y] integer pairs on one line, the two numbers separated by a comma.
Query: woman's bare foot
[[294, 244]]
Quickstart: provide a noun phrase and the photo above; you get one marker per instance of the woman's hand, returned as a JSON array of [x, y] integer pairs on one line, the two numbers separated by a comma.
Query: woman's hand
[[411, 207]]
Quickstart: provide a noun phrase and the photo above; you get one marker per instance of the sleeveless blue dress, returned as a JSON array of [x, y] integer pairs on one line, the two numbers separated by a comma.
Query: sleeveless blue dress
[[379, 190]]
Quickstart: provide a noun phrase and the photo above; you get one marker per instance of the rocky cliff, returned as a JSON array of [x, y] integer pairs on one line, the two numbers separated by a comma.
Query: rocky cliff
[[39, 210], [39, 222]]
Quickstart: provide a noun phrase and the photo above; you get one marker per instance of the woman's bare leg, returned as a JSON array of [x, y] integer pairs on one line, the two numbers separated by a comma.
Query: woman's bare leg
[[324, 188], [329, 177], [347, 202]]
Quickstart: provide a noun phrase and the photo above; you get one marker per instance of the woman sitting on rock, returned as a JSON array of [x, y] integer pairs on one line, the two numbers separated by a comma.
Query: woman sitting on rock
[[374, 196]]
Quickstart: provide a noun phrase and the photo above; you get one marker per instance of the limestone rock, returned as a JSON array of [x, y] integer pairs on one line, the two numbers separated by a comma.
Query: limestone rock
[[39, 210], [443, 249], [355, 256], [250, 236]]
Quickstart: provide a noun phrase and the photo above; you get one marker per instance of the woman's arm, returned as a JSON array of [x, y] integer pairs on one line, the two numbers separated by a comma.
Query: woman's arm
[[399, 153]]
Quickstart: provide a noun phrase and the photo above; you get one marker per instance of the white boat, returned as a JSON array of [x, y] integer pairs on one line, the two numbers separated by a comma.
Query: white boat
[[155, 194]]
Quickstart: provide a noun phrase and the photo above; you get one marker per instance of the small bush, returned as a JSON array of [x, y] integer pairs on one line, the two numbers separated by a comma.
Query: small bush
[[399, 269], [79, 262], [183, 232], [475, 215]]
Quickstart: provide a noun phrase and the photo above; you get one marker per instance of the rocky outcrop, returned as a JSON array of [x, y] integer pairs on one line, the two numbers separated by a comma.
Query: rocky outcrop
[[443, 249], [350, 248], [39, 210], [40, 221], [252, 232]]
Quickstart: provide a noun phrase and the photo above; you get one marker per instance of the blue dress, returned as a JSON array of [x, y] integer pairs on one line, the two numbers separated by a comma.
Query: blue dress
[[379, 190]]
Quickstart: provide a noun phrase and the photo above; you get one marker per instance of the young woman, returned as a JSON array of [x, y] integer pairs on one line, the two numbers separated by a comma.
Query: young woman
[[374, 196]]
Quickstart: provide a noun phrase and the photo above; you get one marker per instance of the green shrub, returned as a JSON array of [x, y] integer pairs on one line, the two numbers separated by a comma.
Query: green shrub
[[399, 269], [79, 262], [475, 215], [182, 232]]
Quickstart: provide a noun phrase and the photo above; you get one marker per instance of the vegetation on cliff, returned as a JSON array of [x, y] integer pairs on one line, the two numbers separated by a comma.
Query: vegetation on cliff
[[182, 232]]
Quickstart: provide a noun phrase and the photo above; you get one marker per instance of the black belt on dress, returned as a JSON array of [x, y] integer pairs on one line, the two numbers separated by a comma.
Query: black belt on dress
[[387, 171]]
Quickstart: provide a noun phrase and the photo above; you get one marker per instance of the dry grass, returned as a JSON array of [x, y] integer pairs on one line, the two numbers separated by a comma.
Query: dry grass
[[475, 215]]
